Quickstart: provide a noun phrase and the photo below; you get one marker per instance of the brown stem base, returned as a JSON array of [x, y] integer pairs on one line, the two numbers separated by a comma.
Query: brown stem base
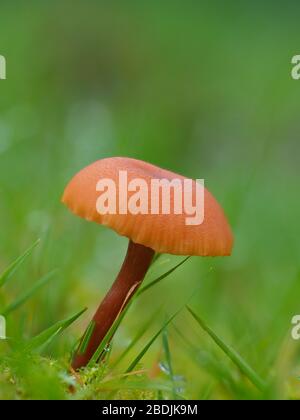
[[131, 275]]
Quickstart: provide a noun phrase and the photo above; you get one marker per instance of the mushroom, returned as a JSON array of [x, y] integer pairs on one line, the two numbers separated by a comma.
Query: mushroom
[[148, 233]]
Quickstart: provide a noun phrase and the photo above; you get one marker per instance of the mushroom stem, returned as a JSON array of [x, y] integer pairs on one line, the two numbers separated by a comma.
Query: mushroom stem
[[131, 275]]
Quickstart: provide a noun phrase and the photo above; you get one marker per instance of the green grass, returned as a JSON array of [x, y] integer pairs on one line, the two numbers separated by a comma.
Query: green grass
[[27, 349], [233, 355], [103, 377], [197, 88], [9, 271]]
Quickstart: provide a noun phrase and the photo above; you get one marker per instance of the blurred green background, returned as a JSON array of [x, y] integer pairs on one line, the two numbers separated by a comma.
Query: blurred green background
[[200, 88]]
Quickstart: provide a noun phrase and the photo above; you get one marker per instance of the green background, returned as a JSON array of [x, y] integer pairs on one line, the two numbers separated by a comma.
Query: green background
[[200, 88]]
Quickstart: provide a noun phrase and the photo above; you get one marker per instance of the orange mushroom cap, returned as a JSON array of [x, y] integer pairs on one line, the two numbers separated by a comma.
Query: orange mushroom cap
[[164, 233]]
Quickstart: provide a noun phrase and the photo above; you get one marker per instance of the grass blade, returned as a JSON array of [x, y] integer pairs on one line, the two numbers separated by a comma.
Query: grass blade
[[45, 337], [6, 275], [232, 354], [222, 373], [27, 295], [86, 338], [150, 342], [106, 340], [114, 327], [136, 338], [163, 276], [166, 347]]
